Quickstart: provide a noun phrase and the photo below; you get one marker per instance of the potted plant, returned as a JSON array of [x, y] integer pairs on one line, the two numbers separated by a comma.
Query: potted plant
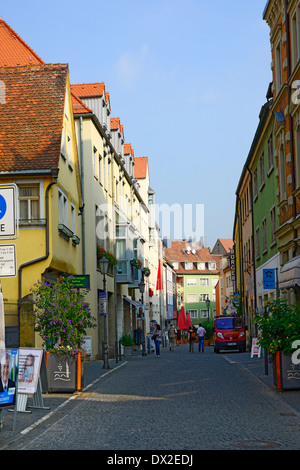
[[208, 326], [136, 263], [278, 326], [127, 342], [146, 271], [62, 317]]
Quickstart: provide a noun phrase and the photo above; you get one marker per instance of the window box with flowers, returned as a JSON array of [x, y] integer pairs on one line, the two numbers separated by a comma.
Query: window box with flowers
[[110, 256], [61, 317], [136, 263], [278, 325], [151, 292]]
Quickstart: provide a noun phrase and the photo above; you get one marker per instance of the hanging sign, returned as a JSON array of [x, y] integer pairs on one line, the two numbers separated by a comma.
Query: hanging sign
[[269, 278]]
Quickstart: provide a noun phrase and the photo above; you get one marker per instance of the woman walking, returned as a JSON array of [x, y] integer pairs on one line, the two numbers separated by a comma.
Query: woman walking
[[157, 335]]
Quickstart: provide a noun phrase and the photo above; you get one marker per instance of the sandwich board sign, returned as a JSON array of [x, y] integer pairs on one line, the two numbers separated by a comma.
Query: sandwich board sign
[[8, 211]]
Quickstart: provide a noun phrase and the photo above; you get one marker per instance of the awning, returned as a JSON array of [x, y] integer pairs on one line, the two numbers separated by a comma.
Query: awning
[[133, 302], [289, 276]]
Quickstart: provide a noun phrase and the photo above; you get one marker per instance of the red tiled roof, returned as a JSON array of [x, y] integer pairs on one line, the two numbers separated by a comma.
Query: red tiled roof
[[176, 253], [128, 150], [140, 167], [84, 90], [13, 50], [31, 117], [114, 123], [78, 106], [227, 243]]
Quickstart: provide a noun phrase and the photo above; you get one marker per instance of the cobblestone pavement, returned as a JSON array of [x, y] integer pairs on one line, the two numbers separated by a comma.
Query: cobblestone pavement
[[180, 401]]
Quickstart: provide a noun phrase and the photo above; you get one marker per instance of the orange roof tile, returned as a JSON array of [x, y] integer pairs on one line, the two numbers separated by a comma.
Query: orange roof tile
[[128, 150], [176, 253], [31, 117], [83, 90], [140, 167], [114, 123], [78, 106], [227, 243], [13, 50]]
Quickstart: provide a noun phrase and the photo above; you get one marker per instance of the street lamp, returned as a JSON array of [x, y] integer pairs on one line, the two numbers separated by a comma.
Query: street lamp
[[142, 290], [104, 265], [208, 306]]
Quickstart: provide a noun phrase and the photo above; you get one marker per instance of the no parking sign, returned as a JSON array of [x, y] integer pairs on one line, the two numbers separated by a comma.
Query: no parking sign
[[8, 211]]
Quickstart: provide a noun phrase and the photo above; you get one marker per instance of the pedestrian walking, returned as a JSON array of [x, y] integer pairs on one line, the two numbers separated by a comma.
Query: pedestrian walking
[[157, 336], [178, 338], [201, 333], [191, 337], [172, 336]]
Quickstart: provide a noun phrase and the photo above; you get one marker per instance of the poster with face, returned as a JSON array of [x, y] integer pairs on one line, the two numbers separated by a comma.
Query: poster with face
[[29, 369], [8, 376]]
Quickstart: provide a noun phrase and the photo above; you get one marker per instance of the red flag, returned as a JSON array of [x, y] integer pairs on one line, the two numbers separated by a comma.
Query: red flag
[[158, 280]]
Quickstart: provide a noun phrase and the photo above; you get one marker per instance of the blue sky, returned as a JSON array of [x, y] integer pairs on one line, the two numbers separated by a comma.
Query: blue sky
[[186, 77]]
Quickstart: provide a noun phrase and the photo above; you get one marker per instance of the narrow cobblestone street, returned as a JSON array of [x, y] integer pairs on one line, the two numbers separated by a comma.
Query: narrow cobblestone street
[[180, 401]]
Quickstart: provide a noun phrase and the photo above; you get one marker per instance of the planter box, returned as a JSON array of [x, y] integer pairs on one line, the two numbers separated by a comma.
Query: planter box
[[286, 375], [63, 373], [128, 350]]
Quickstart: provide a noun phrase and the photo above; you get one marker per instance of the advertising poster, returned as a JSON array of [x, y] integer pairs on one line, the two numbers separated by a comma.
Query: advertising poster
[[8, 376], [102, 303], [29, 369]]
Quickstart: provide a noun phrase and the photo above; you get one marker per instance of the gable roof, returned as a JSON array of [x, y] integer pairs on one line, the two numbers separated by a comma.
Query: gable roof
[[178, 252], [140, 167], [13, 50], [32, 117], [222, 246]]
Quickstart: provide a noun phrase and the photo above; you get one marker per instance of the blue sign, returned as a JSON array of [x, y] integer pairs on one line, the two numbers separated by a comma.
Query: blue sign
[[269, 278], [3, 206]]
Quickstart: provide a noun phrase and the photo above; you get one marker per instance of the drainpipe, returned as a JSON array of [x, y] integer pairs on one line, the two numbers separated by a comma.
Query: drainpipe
[[253, 241], [82, 187], [42, 258]]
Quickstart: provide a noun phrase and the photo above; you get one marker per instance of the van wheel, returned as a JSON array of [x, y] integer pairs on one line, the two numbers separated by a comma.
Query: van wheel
[[216, 350]]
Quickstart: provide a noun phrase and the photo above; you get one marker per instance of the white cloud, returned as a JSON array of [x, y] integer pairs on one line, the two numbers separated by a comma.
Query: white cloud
[[130, 66]]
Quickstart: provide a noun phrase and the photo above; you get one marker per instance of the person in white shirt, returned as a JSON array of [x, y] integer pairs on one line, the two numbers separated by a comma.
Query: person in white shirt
[[201, 333]]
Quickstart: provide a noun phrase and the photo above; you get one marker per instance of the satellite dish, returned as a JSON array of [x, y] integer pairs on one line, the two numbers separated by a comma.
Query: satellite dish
[[194, 251]]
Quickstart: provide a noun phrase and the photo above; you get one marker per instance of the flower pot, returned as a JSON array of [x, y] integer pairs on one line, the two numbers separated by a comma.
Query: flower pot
[[286, 375], [65, 374]]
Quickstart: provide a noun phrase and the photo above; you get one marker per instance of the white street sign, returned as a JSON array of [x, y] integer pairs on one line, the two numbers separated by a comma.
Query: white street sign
[[8, 265], [8, 211]]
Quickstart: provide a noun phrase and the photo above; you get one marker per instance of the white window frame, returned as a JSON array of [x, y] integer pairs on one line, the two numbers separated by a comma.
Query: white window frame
[[63, 217]]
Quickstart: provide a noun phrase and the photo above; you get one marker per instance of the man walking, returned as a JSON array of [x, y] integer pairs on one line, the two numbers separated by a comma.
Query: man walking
[[201, 333]]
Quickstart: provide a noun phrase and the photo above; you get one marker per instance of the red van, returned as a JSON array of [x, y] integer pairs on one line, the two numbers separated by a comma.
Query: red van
[[229, 333]]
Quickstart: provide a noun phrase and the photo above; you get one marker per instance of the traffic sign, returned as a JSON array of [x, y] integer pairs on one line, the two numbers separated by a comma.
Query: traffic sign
[[8, 211]]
